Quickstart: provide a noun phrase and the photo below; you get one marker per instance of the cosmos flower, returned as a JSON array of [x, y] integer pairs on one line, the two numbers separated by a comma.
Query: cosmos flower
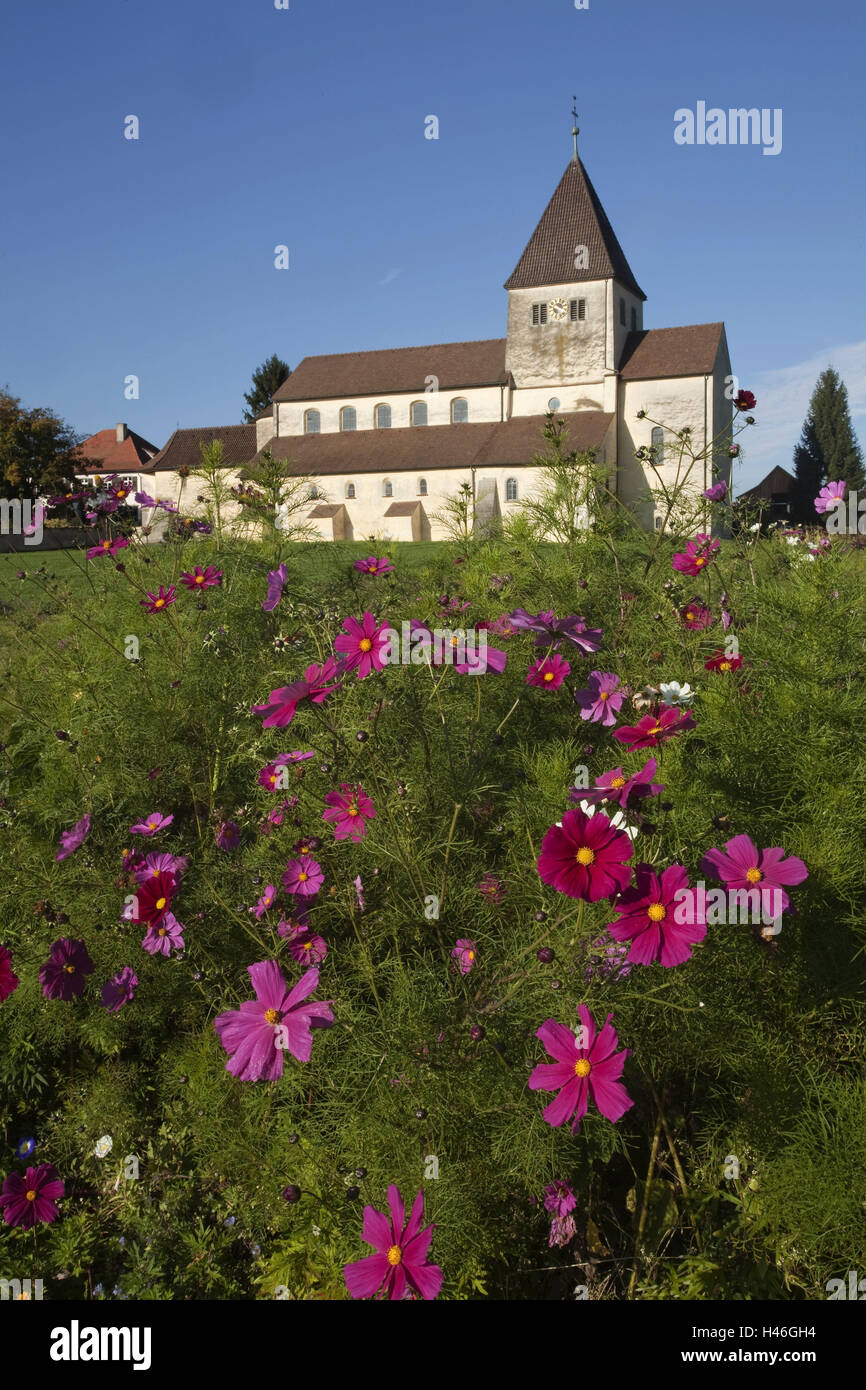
[[164, 936], [601, 701], [741, 865], [71, 840], [273, 778], [277, 580], [283, 703], [361, 645], [8, 979], [228, 835], [279, 1020], [303, 877], [585, 856], [308, 948], [652, 729], [744, 400], [616, 818], [154, 603], [624, 790], [63, 976], [107, 547], [549, 673], [144, 499], [695, 616], [717, 492], [119, 990], [830, 495], [464, 954], [672, 693], [206, 578], [399, 1266], [720, 661], [348, 811], [104, 1146], [585, 1065], [492, 889], [152, 825], [552, 629], [265, 902], [31, 1199], [559, 1199], [373, 566], [696, 556], [157, 863], [359, 893], [151, 900], [648, 917]]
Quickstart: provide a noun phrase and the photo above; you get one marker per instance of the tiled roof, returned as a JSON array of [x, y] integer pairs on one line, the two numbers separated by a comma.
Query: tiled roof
[[664, 352], [102, 453], [392, 370], [426, 448], [184, 447], [327, 509], [573, 217], [403, 508]]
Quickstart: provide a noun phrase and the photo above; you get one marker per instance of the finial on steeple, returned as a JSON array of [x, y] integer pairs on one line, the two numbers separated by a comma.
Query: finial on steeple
[[575, 130]]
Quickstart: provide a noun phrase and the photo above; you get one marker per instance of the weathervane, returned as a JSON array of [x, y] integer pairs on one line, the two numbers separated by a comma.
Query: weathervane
[[575, 130]]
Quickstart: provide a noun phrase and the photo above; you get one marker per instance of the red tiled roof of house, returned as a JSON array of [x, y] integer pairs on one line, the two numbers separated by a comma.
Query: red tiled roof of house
[[388, 371], [104, 453], [665, 352], [184, 447]]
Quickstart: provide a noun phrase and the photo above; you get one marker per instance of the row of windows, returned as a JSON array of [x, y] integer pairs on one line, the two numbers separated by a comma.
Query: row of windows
[[382, 416], [577, 312], [388, 489]]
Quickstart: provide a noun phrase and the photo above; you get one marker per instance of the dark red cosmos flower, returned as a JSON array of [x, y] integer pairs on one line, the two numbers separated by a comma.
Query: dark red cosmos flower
[[8, 978], [63, 976], [152, 899], [654, 729], [744, 400], [720, 662]]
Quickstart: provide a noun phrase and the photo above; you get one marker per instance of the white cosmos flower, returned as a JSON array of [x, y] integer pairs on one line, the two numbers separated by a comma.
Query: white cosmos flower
[[756, 527], [104, 1146], [673, 693], [793, 540]]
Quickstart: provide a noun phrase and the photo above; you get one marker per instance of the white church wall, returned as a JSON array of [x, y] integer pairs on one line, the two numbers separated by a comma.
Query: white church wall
[[485, 405], [551, 355]]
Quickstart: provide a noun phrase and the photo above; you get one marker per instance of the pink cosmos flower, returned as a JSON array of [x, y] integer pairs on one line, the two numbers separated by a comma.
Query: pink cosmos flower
[[359, 893], [552, 629], [492, 889], [584, 1066], [697, 555], [279, 1020], [31, 1199], [548, 673], [200, 578], [144, 499], [119, 990], [277, 580], [373, 566], [648, 917], [8, 979], [741, 865], [71, 840], [265, 902], [283, 703], [155, 864], [348, 811], [227, 835], [361, 645], [399, 1266], [164, 936], [654, 729], [64, 974], [107, 547], [464, 954], [152, 825], [559, 1199], [585, 857], [303, 877], [695, 616], [154, 603], [601, 701], [273, 778], [830, 495], [308, 948], [616, 786], [717, 492]]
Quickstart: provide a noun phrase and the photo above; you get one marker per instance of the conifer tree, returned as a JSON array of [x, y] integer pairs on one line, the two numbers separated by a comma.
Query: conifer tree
[[828, 447], [267, 379]]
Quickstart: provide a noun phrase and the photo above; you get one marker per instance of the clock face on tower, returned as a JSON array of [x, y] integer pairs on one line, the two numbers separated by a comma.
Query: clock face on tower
[[558, 309]]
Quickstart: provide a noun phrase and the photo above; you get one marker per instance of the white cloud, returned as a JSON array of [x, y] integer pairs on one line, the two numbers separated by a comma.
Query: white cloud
[[783, 401], [392, 275]]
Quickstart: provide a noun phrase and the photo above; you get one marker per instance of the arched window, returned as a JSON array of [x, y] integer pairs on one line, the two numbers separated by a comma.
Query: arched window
[[383, 417], [350, 489], [422, 487], [348, 418], [387, 489], [312, 492], [658, 523], [511, 490], [459, 411], [658, 443], [312, 422], [418, 412]]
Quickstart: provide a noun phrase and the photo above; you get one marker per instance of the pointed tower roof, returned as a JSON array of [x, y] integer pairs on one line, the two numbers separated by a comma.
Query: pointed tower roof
[[573, 217]]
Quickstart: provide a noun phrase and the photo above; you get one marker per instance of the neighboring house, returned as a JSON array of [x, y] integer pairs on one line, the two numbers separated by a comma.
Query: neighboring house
[[389, 435], [182, 453], [119, 451], [778, 488]]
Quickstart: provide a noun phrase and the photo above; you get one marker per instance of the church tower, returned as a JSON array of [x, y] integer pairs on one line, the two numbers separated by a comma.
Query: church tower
[[572, 300]]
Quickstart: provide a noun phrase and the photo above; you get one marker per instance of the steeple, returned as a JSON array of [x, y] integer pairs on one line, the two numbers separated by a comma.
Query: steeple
[[575, 129]]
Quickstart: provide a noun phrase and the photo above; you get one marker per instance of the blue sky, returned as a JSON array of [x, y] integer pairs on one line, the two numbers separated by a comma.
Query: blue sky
[[305, 127]]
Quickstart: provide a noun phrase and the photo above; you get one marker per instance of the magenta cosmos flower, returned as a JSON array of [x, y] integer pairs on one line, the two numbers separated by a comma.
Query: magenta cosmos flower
[[552, 629], [200, 578], [153, 823], [164, 936], [829, 496], [155, 864], [71, 840], [303, 877], [741, 865], [307, 948], [696, 556], [654, 729], [717, 492], [265, 902], [373, 566], [616, 786], [719, 661], [228, 835], [601, 701], [278, 1020], [579, 1072], [107, 547], [282, 704], [348, 811], [399, 1267], [361, 644], [549, 673], [30, 1199], [154, 603], [8, 979], [695, 616], [151, 900], [119, 990], [585, 857], [64, 974], [648, 917], [464, 955], [276, 583]]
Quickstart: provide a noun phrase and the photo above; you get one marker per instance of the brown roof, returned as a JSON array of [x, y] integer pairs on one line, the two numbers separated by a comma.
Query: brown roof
[[573, 217], [327, 509], [427, 448], [778, 480], [183, 449], [102, 453], [662, 352], [391, 370], [402, 508]]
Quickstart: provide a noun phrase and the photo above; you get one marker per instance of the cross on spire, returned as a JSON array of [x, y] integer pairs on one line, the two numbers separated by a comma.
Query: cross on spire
[[575, 130]]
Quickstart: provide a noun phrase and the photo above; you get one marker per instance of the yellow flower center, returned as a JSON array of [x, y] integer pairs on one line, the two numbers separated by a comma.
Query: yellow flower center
[[272, 1015], [302, 877], [353, 810], [585, 857], [70, 969], [199, 579], [582, 1067], [618, 782], [603, 695], [365, 644], [395, 1255], [700, 560], [656, 912], [754, 875], [724, 666], [471, 955], [160, 902], [159, 603], [308, 945], [272, 779], [106, 545], [657, 730], [161, 931], [691, 617], [31, 1195], [548, 675], [151, 825]]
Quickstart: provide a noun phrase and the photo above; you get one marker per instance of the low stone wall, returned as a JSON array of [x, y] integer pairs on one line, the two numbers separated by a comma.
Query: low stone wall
[[53, 538]]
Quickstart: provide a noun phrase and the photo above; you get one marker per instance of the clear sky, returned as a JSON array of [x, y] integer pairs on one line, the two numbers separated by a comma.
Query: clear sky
[[305, 127]]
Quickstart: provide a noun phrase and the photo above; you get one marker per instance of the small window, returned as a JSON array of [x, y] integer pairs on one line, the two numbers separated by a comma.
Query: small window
[[459, 411], [511, 490], [383, 417], [387, 489], [633, 319], [312, 492], [658, 523], [577, 310], [539, 314], [622, 312], [312, 422], [350, 489], [658, 443], [418, 413], [348, 418], [422, 487]]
